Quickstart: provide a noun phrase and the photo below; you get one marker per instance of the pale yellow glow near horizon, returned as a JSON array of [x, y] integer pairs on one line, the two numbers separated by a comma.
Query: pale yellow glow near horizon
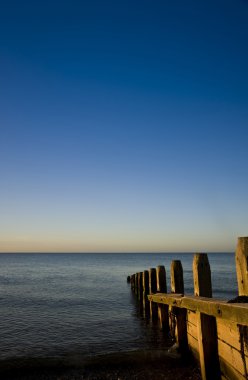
[[106, 243]]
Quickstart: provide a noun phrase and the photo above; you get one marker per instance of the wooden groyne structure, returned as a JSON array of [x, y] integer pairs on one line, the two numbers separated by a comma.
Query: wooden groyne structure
[[214, 332]]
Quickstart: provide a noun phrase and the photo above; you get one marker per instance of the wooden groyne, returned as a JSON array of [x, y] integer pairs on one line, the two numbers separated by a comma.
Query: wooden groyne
[[214, 332]]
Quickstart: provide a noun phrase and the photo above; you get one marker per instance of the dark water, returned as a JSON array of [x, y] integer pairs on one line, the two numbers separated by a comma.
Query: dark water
[[77, 305]]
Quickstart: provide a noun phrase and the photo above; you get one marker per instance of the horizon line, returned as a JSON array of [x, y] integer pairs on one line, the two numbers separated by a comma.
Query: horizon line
[[117, 252]]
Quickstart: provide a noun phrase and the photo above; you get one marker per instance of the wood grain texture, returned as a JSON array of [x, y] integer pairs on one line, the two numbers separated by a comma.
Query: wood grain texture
[[234, 312]]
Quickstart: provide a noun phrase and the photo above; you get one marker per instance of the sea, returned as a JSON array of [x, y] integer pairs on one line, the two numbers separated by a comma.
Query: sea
[[70, 306]]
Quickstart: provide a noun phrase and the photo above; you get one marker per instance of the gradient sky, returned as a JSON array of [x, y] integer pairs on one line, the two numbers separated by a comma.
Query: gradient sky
[[123, 125]]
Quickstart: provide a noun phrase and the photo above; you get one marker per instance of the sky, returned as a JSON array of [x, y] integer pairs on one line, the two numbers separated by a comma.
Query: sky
[[123, 125]]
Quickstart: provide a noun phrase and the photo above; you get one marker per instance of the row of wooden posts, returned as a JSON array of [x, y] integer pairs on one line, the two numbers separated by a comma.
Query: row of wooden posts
[[154, 281], [175, 312]]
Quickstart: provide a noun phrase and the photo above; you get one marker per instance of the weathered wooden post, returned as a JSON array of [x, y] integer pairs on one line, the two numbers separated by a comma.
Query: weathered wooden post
[[202, 276], [177, 286], [136, 284], [128, 279], [132, 282], [242, 265], [140, 287], [146, 304], [177, 283], [152, 290], [162, 288], [241, 258], [207, 331]]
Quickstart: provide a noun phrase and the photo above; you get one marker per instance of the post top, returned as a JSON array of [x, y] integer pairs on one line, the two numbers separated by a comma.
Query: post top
[[201, 257], [243, 242], [152, 269], [160, 267], [176, 264]]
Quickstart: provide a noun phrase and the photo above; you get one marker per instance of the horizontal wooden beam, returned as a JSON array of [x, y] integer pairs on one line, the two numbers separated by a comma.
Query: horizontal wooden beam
[[220, 309]]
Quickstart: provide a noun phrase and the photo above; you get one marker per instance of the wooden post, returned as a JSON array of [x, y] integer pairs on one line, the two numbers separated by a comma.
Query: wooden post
[[241, 258], [242, 265], [177, 286], [132, 282], [140, 287], [207, 330], [136, 284], [177, 283], [163, 310], [202, 276], [161, 279], [153, 289], [146, 282], [128, 279], [146, 304], [152, 281]]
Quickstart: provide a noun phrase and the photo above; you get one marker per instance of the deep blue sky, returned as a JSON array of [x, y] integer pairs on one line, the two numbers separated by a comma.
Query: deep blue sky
[[123, 125]]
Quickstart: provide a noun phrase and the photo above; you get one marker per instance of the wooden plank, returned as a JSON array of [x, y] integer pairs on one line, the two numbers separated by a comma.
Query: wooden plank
[[230, 373], [234, 312], [192, 318], [229, 333], [231, 357], [194, 347], [192, 330], [243, 331], [228, 313]]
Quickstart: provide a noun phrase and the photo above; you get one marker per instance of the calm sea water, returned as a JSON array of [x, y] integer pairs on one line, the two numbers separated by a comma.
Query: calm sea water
[[76, 305]]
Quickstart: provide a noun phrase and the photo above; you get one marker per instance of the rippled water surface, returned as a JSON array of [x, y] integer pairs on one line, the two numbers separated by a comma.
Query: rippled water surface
[[59, 305]]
